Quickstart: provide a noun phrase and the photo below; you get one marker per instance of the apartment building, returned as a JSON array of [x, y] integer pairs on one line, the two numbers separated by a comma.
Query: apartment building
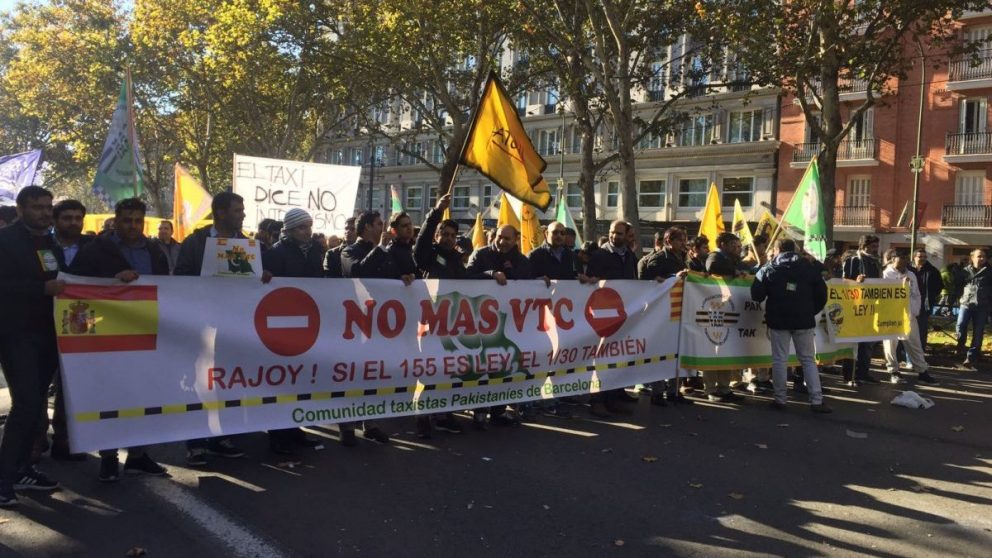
[[730, 139], [874, 177]]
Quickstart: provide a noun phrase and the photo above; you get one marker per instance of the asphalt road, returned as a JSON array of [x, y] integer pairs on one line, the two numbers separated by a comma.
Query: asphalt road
[[701, 480]]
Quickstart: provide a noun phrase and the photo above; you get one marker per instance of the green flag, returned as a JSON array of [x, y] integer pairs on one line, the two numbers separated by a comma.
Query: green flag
[[119, 174], [564, 216], [805, 212], [396, 206]]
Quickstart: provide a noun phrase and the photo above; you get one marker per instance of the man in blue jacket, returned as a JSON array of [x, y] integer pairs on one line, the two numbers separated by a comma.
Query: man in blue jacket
[[795, 294]]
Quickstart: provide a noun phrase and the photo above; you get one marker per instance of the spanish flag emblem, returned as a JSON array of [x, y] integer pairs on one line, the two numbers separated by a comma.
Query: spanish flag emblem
[[94, 319]]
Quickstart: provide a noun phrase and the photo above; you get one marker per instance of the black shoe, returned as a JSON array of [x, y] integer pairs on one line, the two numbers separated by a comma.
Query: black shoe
[[776, 405], [348, 438], [969, 366], [33, 479], [528, 414], [376, 435], [300, 438], [926, 378], [143, 465], [502, 419], [110, 469], [658, 399], [196, 457], [448, 424], [224, 448], [868, 379], [479, 421], [424, 429], [599, 410], [821, 409], [799, 388], [7, 497], [854, 383], [622, 395], [557, 410], [729, 397], [280, 447]]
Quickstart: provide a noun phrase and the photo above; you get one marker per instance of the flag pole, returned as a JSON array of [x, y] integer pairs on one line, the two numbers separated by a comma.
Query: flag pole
[[130, 125]]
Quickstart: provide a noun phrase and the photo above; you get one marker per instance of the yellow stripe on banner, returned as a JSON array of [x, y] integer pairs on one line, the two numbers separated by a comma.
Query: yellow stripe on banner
[[213, 405], [354, 393], [443, 387], [325, 395], [173, 409], [291, 398], [251, 402], [470, 383], [92, 417], [110, 317], [132, 413]]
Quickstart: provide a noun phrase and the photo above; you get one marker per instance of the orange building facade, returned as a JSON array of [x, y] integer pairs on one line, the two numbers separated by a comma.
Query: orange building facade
[[874, 178]]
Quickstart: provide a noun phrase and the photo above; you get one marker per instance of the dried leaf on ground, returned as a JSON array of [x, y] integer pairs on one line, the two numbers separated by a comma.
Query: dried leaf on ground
[[761, 446], [618, 542], [736, 495], [649, 459], [858, 435], [919, 488], [783, 425], [136, 551], [606, 450], [696, 484], [958, 428]]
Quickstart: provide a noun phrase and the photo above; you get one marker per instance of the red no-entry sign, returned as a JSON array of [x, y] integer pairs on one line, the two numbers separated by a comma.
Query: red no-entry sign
[[287, 321], [605, 312]]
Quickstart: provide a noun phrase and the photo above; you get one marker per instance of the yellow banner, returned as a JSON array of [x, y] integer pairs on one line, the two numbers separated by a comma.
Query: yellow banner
[[870, 311]]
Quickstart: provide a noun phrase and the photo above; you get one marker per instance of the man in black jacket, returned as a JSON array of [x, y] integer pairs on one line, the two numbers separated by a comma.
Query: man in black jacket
[[615, 259], [332, 259], [554, 259], [228, 210], [30, 261], [124, 254], [725, 261], [863, 265], [365, 259], [295, 254], [435, 251], [931, 284], [795, 294]]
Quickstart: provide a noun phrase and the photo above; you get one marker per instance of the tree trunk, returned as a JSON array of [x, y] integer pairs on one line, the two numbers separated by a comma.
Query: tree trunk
[[587, 181], [828, 173], [628, 178]]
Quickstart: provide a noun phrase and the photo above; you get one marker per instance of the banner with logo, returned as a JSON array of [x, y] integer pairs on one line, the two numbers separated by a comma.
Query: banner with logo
[[271, 187], [870, 311], [231, 257], [175, 358], [724, 329]]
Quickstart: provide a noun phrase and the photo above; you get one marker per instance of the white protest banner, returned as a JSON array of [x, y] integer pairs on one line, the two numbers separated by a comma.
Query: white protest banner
[[271, 187], [231, 257], [175, 358], [723, 328]]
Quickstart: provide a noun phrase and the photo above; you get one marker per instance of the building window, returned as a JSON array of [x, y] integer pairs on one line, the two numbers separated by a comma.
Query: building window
[[859, 191], [574, 196], [697, 130], [460, 197], [651, 193], [487, 196], [414, 198], [612, 194], [432, 197], [692, 192], [739, 188], [969, 188], [547, 141], [437, 152], [745, 126], [656, 85], [974, 116]]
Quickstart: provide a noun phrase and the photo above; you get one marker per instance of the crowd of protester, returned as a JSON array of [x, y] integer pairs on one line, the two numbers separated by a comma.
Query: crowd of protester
[[43, 239]]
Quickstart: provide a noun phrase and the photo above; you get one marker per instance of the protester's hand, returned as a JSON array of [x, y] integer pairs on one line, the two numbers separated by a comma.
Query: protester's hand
[[682, 274], [588, 280], [443, 202], [266, 276], [127, 275], [386, 238], [547, 281], [500, 277], [659, 279], [860, 278], [54, 287], [407, 279]]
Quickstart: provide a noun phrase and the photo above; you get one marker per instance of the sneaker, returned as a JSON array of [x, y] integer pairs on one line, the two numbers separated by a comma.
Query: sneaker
[[896, 378], [279, 445], [109, 469], [449, 424], [143, 465], [502, 419], [348, 438], [776, 405], [729, 397], [868, 379], [224, 448], [622, 395], [479, 421], [798, 387], [33, 479], [821, 409], [528, 414], [376, 435], [599, 410], [752, 386], [968, 365], [7, 497], [854, 383], [300, 438], [424, 430], [658, 399], [196, 457], [926, 378], [679, 399]]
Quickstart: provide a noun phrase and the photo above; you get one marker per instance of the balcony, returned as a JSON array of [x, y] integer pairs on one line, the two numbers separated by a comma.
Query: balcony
[[849, 90], [857, 216], [966, 216], [963, 76], [974, 147], [852, 153]]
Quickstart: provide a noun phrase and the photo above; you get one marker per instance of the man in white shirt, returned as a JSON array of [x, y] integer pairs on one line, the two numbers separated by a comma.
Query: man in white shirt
[[897, 269]]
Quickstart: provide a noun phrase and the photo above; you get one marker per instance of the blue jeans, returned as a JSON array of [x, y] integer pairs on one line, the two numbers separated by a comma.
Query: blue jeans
[[975, 316]]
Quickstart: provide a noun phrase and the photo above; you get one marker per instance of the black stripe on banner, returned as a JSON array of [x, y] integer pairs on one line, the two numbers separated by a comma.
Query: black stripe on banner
[[371, 392], [632, 363], [269, 400], [457, 385], [483, 382], [108, 415], [430, 387], [612, 366], [304, 396], [403, 389], [153, 411], [194, 407], [232, 403]]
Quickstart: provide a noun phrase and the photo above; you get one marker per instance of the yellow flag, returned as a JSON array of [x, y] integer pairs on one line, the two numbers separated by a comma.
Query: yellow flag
[[740, 226], [191, 203], [766, 225], [478, 233], [712, 222], [506, 214], [498, 147], [530, 230]]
